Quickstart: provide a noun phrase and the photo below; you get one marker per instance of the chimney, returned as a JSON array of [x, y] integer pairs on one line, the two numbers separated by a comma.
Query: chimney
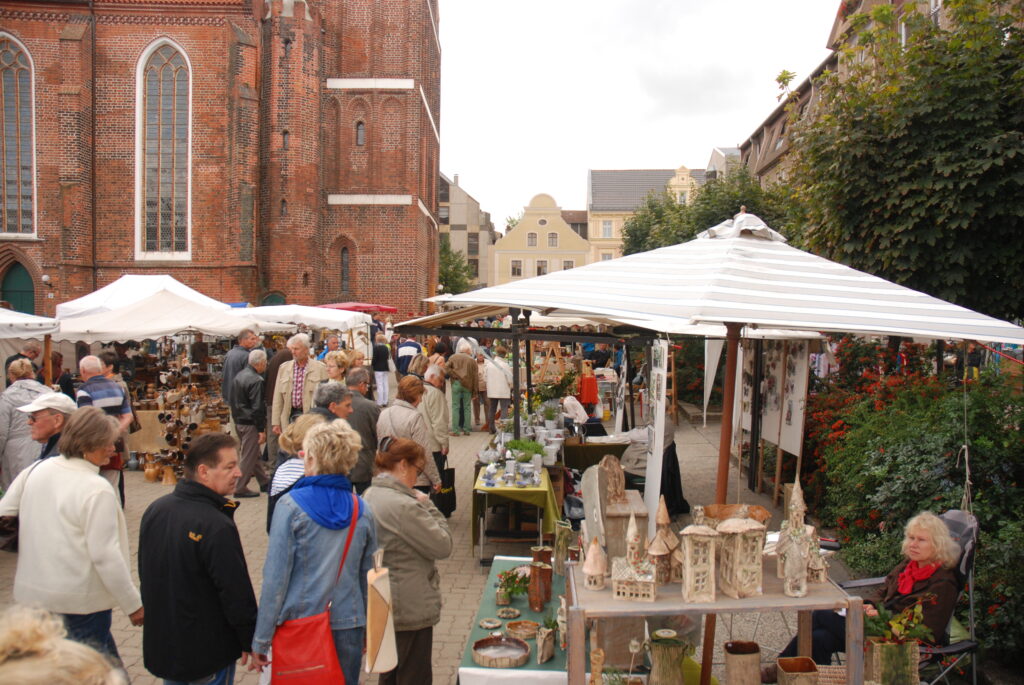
[[455, 181]]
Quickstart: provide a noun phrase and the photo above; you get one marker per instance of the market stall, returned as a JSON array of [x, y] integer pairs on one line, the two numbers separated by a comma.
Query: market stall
[[353, 326]]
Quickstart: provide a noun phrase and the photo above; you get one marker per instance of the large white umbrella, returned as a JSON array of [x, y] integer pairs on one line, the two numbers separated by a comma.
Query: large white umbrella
[[318, 317], [129, 289], [164, 313], [743, 272]]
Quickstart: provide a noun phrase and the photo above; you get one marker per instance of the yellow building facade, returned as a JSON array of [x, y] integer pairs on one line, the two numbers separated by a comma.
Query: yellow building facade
[[542, 242]]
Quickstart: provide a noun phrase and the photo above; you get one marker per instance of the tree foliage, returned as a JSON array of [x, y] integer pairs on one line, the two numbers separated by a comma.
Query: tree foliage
[[911, 165], [662, 221], [453, 272]]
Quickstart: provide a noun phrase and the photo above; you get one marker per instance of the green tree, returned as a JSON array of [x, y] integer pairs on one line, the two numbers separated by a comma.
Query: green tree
[[662, 221], [453, 272], [911, 164]]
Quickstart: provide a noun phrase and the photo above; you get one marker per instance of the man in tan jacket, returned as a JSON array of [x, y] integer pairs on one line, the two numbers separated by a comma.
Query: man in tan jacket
[[297, 380], [461, 369]]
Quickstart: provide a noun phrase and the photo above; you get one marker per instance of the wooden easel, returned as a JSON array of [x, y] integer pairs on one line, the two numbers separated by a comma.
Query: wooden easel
[[553, 352]]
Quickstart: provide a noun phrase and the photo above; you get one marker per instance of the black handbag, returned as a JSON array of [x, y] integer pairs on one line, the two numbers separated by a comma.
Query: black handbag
[[444, 499]]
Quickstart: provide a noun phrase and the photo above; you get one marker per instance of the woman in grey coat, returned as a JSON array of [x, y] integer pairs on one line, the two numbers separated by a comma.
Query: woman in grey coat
[[413, 535], [17, 448]]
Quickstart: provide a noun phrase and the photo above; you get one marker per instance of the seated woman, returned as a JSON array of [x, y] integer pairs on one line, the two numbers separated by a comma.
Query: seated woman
[[930, 555]]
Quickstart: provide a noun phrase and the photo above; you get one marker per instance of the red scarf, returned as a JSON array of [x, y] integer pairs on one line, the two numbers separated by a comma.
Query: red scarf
[[913, 573]]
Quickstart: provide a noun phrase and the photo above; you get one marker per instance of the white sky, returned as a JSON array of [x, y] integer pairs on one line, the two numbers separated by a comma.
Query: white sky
[[536, 92]]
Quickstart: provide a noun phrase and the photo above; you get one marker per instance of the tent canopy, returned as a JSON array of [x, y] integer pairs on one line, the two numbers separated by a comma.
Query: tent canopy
[[17, 325], [319, 317], [743, 272], [361, 307], [129, 289], [160, 314]]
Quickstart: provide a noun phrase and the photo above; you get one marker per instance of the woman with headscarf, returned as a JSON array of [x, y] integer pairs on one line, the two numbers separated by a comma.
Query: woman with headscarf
[[307, 541]]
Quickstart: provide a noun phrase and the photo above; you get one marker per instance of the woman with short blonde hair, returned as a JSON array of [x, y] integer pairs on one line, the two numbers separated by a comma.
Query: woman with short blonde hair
[[337, 363], [17, 448]]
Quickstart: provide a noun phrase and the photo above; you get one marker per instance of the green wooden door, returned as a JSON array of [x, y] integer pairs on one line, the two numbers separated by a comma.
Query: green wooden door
[[17, 288]]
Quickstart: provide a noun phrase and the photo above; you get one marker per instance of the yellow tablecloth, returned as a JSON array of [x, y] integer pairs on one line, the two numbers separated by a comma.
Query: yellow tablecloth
[[539, 496]]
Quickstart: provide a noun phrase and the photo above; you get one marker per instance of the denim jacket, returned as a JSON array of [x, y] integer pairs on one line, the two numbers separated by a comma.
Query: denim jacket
[[301, 565]]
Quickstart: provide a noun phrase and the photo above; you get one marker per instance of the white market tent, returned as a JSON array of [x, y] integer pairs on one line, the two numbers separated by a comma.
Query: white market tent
[[745, 273], [18, 325], [160, 314], [129, 289], [319, 317]]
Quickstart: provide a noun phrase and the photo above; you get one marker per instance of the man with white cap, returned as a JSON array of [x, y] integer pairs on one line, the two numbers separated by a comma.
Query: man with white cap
[[47, 415]]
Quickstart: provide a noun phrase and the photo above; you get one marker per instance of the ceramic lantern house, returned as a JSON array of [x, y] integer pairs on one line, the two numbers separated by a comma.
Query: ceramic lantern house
[[633, 575], [796, 541], [698, 568], [740, 570], [595, 567], [663, 548]]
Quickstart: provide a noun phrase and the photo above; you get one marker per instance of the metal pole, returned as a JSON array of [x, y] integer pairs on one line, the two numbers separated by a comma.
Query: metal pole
[[514, 313], [627, 368]]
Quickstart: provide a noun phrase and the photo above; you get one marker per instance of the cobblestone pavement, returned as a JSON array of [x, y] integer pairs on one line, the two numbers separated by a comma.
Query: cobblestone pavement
[[462, 577]]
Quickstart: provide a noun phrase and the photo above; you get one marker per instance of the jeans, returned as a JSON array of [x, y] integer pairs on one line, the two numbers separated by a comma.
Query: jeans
[[93, 630], [225, 676], [462, 413], [349, 644], [828, 636]]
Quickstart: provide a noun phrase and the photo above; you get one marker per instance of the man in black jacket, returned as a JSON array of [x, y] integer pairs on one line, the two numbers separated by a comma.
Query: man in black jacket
[[250, 415], [199, 602], [235, 360], [364, 420]]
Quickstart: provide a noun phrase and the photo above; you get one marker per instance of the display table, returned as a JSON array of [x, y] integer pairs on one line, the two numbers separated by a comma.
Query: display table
[[581, 457], [584, 604], [549, 673], [541, 496]]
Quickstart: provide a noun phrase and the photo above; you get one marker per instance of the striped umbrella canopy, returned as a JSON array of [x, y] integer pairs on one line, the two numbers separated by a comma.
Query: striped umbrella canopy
[[742, 271]]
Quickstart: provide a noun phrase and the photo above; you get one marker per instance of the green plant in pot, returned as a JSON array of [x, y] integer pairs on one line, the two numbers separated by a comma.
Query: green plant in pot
[[510, 583], [549, 413], [525, 449], [892, 644]]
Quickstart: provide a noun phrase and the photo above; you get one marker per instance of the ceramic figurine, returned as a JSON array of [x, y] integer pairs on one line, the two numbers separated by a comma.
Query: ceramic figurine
[[698, 563], [545, 645], [742, 543], [563, 627], [817, 567], [615, 479], [596, 666], [665, 543], [595, 567], [794, 546], [563, 538], [633, 575]]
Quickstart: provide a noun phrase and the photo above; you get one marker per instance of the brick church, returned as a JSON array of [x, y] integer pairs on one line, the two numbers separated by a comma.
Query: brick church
[[263, 151]]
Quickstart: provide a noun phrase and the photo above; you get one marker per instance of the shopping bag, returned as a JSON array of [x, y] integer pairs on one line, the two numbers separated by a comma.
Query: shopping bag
[[381, 649], [444, 499]]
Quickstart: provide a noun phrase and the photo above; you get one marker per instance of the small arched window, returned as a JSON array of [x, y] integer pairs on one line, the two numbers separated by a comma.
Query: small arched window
[[284, 207], [16, 115], [360, 133], [344, 270], [531, 240], [284, 140], [552, 239]]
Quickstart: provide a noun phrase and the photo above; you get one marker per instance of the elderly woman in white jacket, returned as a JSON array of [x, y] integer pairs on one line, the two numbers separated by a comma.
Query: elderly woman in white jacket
[[17, 448], [72, 537], [499, 385]]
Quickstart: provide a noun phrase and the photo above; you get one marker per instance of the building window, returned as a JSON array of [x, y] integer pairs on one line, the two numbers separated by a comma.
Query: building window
[[345, 273], [284, 140], [284, 207], [606, 228], [472, 244], [360, 133], [542, 267], [531, 240], [517, 268], [552, 240], [16, 115], [568, 264], [165, 150], [606, 256], [936, 11], [542, 222], [682, 197], [474, 267], [442, 214]]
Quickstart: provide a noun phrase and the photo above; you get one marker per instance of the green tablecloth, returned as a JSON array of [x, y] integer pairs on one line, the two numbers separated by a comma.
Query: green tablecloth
[[489, 610], [541, 496]]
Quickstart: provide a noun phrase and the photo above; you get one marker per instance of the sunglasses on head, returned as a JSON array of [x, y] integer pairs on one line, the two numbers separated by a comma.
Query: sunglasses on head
[[385, 443]]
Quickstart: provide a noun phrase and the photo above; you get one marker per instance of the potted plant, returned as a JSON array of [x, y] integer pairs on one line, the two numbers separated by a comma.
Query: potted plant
[[892, 644], [550, 413], [510, 583]]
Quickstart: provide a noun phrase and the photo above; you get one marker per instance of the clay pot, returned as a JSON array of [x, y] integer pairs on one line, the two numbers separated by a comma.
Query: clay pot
[[546, 573], [574, 553], [742, 663], [501, 597], [151, 472], [169, 477], [535, 591], [563, 536], [541, 554]]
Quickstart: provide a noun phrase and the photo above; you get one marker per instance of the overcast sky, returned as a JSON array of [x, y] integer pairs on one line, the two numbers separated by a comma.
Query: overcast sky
[[536, 92]]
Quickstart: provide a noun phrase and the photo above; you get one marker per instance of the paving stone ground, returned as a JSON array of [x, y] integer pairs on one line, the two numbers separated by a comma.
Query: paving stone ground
[[462, 577]]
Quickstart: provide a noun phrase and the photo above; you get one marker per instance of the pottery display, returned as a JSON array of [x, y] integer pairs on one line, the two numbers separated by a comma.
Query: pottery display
[[500, 652], [524, 629], [563, 537]]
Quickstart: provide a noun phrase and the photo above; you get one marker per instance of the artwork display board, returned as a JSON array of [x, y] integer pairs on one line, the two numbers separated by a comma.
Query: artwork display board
[[656, 445]]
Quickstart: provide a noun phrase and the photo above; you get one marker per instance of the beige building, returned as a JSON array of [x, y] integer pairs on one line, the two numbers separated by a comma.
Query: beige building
[[542, 242], [469, 229], [613, 196]]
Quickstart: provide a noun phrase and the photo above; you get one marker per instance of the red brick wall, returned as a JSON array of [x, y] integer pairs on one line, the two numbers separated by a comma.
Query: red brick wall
[[246, 92]]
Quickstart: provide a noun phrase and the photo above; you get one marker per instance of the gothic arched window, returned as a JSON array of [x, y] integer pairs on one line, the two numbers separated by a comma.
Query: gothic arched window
[[17, 185]]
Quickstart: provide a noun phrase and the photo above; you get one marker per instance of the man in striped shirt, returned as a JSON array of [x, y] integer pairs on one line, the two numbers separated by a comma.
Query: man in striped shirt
[[99, 391]]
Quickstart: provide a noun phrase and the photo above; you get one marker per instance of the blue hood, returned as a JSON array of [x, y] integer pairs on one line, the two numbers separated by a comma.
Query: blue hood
[[326, 499]]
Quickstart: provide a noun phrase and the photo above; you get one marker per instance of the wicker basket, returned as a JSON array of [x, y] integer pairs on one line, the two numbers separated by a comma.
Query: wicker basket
[[504, 643]]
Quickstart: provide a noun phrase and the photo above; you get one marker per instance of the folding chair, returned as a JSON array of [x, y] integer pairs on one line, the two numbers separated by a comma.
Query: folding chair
[[963, 527]]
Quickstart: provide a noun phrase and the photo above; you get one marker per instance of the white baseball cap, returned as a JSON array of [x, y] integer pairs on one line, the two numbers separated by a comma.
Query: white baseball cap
[[57, 401]]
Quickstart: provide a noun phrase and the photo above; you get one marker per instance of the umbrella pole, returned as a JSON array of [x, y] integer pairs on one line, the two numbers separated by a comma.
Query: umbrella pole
[[515, 371], [48, 359], [722, 481]]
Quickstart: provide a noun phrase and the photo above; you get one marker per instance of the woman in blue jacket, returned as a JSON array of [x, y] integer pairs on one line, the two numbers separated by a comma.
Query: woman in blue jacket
[[307, 538]]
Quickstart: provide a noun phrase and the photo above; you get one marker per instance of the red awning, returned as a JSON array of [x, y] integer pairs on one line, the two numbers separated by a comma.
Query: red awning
[[361, 307]]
